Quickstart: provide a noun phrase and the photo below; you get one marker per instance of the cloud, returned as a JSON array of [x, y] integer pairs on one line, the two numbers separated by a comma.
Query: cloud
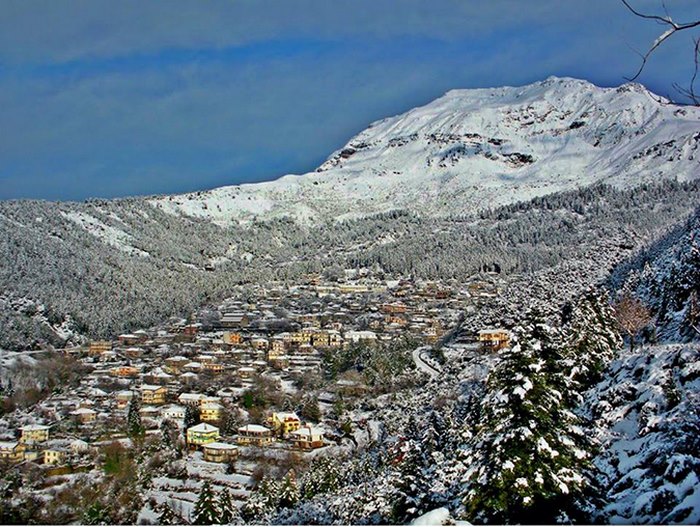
[[107, 99]]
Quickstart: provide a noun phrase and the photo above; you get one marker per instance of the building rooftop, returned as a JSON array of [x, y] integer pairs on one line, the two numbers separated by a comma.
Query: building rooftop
[[203, 427]]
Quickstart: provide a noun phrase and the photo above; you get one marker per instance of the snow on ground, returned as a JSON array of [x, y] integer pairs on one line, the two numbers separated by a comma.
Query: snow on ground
[[110, 235], [648, 424]]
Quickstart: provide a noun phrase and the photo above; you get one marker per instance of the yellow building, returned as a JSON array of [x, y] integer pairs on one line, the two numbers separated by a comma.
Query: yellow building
[[213, 367], [53, 457], [201, 434], [308, 438], [125, 371], [284, 422], [210, 412], [98, 347], [85, 415], [153, 394], [231, 338], [321, 339], [277, 349], [176, 364], [254, 435], [303, 337], [219, 452], [494, 339], [335, 339], [12, 451], [34, 434]]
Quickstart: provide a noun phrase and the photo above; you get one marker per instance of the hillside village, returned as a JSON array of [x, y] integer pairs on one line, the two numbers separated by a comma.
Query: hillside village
[[264, 376]]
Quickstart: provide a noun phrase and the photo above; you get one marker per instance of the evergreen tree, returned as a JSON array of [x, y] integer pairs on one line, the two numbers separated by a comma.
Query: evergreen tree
[[227, 511], [205, 511], [192, 416], [592, 338], [412, 430], [169, 432], [311, 410], [135, 429], [96, 514], [289, 492], [166, 516], [229, 421], [526, 461], [434, 436], [407, 481], [323, 476], [262, 501]]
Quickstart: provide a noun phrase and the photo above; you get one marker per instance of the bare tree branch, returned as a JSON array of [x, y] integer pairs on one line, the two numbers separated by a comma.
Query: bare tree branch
[[689, 92], [672, 27]]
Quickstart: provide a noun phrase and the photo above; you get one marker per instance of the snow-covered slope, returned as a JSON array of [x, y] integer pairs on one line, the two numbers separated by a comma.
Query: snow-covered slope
[[647, 412], [472, 149], [666, 276]]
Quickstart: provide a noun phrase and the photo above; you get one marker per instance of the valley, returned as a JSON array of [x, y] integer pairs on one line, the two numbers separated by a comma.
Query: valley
[[484, 310]]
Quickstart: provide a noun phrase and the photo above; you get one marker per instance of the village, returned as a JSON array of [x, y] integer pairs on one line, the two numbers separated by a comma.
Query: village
[[268, 374]]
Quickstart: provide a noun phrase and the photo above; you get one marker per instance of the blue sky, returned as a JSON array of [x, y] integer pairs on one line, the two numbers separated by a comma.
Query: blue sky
[[104, 99]]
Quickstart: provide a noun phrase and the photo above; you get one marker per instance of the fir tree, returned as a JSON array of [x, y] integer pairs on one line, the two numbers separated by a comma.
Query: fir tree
[[192, 416], [526, 460], [168, 431], [226, 510], [434, 436], [205, 511], [166, 516], [263, 500], [592, 338], [289, 492], [311, 410], [408, 482], [135, 429], [229, 421], [323, 476]]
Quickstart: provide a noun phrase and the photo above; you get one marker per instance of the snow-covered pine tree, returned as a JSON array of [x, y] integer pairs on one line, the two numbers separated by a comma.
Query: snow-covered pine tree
[[205, 511], [262, 501], [230, 421], [169, 433], [135, 429], [166, 516], [310, 409], [592, 338], [227, 512], [323, 476], [192, 416], [408, 481], [526, 461], [289, 491], [434, 436]]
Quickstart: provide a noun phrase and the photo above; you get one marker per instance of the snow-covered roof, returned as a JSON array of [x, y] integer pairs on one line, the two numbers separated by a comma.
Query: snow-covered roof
[[191, 396], [83, 411], [203, 427], [31, 428], [283, 416], [220, 446], [253, 428], [151, 387], [308, 431]]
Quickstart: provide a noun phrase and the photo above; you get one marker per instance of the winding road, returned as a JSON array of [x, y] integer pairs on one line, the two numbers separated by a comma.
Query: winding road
[[422, 364]]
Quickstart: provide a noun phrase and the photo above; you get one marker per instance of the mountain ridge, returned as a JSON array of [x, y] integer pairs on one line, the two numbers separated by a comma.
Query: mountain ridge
[[476, 146]]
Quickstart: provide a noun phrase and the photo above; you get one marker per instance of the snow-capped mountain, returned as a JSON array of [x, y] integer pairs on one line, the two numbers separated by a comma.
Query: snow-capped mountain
[[474, 149]]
